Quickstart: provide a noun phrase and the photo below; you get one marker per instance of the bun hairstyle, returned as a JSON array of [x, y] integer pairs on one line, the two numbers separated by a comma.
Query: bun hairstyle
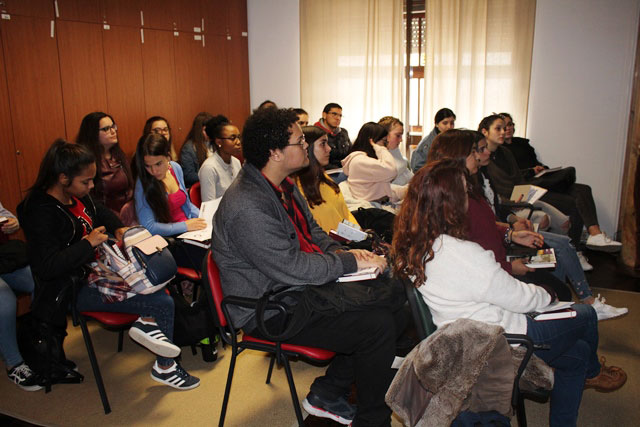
[[213, 128]]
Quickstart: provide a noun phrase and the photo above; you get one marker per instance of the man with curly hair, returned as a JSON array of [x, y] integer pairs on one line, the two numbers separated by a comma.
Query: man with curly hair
[[266, 240]]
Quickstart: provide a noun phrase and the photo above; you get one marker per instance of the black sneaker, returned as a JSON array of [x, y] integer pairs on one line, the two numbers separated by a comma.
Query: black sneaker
[[338, 410], [175, 377], [24, 377], [149, 335]]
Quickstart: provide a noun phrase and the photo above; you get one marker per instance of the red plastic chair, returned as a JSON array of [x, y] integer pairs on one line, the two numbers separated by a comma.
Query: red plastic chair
[[194, 194], [218, 304]]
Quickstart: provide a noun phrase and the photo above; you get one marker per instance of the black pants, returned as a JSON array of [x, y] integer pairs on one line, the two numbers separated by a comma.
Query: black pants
[[578, 203], [365, 343]]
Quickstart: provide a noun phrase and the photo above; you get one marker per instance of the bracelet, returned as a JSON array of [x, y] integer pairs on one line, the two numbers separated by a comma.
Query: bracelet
[[507, 236]]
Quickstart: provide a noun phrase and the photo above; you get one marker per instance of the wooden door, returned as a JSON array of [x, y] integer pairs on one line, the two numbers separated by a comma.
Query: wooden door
[[79, 10], [201, 74], [33, 8], [123, 12], [10, 188], [160, 14], [35, 96], [159, 74], [83, 76], [125, 83], [237, 60]]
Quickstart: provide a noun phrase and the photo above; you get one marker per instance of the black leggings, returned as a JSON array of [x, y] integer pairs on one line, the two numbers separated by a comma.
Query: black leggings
[[578, 203]]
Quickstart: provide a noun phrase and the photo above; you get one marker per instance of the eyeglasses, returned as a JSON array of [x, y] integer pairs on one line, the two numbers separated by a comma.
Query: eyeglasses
[[333, 113], [158, 131], [232, 138], [299, 143], [106, 129]]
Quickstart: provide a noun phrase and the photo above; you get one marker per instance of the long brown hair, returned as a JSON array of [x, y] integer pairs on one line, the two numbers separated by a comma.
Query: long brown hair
[[197, 138], [435, 204], [312, 176]]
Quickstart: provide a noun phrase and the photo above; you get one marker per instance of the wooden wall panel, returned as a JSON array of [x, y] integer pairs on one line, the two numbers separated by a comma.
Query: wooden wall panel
[[33, 8], [160, 14], [237, 60], [122, 12], [197, 68], [35, 96], [125, 83], [10, 184], [80, 10], [216, 15], [159, 74], [83, 76]]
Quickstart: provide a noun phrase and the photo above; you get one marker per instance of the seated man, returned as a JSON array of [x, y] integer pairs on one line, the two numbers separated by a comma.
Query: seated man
[[265, 239], [338, 137]]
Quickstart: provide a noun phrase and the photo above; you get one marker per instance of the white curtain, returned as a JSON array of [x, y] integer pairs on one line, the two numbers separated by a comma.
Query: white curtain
[[352, 54], [478, 59]]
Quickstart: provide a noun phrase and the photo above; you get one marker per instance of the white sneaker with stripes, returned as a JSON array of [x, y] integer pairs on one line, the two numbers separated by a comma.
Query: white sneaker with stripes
[[149, 335], [174, 376]]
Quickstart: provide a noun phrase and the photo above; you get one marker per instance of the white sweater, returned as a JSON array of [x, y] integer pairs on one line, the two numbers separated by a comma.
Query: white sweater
[[465, 281]]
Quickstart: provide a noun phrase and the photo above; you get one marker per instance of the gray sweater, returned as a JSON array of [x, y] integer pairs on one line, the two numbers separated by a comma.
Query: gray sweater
[[256, 246]]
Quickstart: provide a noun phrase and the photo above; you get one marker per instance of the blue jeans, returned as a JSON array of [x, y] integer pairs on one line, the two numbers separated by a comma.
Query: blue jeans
[[568, 266], [573, 355], [158, 305], [19, 280]]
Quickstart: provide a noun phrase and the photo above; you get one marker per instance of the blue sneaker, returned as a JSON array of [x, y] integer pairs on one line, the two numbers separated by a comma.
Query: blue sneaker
[[338, 410]]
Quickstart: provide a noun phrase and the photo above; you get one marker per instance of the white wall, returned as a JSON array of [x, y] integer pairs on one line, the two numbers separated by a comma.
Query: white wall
[[581, 82], [274, 51]]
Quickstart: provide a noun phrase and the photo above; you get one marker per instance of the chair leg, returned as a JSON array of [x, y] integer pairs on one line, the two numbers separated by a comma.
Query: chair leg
[[292, 388], [271, 362], [120, 340], [94, 365], [227, 388], [520, 413]]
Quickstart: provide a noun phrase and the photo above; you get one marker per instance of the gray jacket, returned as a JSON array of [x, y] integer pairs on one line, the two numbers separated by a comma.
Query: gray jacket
[[419, 156], [256, 246]]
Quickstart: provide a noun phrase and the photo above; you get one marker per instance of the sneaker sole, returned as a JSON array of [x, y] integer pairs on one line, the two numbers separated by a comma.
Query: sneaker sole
[[319, 412], [30, 387], [608, 249], [161, 381], [612, 317], [161, 348]]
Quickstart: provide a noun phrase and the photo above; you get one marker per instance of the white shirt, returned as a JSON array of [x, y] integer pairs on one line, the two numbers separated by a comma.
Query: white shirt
[[402, 166], [216, 176], [465, 281]]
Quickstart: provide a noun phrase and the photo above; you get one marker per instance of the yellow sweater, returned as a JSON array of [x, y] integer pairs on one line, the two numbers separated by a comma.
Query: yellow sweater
[[334, 209]]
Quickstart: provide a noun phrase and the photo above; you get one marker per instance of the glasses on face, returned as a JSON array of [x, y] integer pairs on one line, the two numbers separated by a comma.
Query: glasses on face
[[107, 129], [159, 131], [333, 113], [301, 144], [232, 138]]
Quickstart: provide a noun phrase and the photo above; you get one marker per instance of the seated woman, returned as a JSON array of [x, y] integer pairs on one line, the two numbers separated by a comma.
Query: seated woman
[[218, 171], [322, 194], [13, 278], [160, 126], [162, 201], [577, 201], [445, 119], [459, 145], [370, 167], [196, 149], [395, 130], [64, 225], [113, 185], [459, 279]]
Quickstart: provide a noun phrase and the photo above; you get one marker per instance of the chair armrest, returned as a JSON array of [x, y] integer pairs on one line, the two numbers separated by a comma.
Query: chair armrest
[[254, 303]]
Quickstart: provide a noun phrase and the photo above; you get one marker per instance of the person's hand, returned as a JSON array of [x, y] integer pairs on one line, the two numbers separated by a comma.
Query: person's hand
[[362, 254], [538, 169], [11, 226], [380, 263], [120, 232], [519, 268], [527, 238], [97, 236], [194, 224], [522, 224]]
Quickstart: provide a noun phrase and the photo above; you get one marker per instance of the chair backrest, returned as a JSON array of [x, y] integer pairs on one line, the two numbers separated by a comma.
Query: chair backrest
[[420, 311], [194, 194], [212, 279]]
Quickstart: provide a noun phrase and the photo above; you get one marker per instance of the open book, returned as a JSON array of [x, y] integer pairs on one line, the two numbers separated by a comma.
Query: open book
[[202, 237], [366, 274], [556, 310], [544, 258], [527, 193]]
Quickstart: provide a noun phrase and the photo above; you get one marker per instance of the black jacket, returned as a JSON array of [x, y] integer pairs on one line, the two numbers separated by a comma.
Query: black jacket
[[55, 247]]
